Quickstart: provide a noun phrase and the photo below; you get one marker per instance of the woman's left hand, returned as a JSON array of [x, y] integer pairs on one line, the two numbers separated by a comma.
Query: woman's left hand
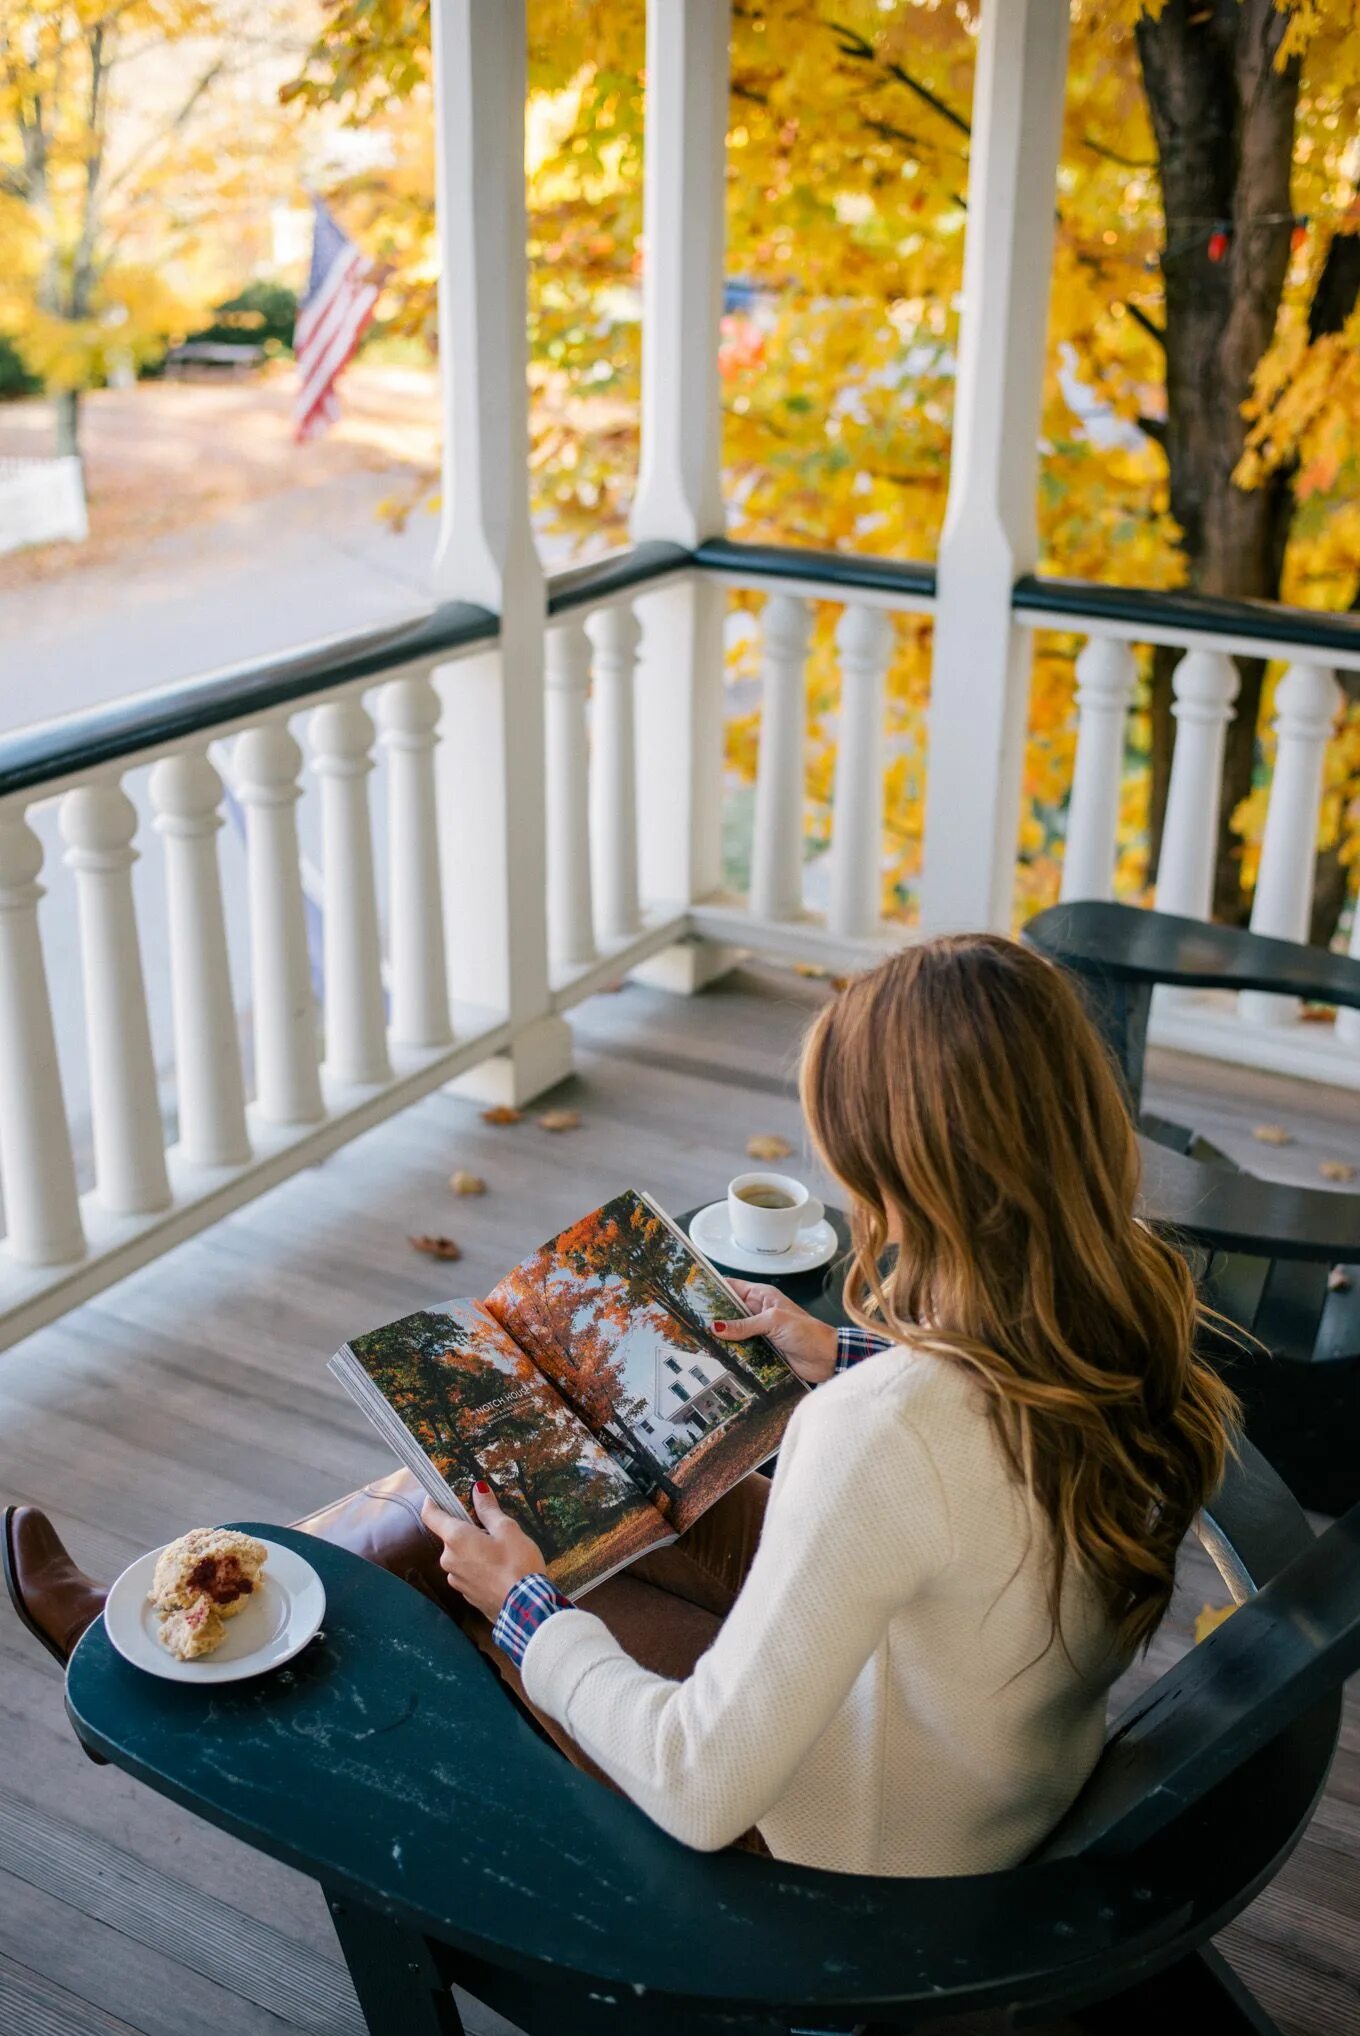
[[484, 1562]]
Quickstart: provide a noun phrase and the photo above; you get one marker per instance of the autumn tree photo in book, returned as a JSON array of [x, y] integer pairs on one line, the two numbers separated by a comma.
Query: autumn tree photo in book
[[477, 1407], [618, 1313]]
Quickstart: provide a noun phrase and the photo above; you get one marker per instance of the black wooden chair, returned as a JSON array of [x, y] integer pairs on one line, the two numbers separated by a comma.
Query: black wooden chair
[[456, 1847], [1270, 1247]]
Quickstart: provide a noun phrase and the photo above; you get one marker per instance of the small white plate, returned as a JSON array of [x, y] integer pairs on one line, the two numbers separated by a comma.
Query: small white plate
[[284, 1612], [712, 1232]]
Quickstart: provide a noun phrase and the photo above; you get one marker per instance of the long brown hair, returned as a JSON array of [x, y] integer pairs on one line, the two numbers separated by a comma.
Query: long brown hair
[[962, 1095]]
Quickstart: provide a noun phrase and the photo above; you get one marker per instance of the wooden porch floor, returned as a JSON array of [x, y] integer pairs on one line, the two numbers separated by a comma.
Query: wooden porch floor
[[196, 1391]]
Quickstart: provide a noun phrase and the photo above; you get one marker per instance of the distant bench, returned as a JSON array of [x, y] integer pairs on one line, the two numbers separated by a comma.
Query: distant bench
[[213, 357]]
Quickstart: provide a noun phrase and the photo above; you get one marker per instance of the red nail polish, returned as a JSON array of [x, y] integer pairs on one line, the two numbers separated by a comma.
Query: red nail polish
[[719, 1325], [483, 1486]]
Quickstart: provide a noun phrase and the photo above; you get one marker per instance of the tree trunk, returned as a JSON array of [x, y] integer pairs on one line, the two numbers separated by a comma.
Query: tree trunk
[[1223, 119], [67, 406]]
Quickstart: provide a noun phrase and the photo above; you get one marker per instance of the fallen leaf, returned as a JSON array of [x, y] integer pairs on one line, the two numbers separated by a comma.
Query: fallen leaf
[[1339, 1280], [1336, 1170], [559, 1120], [1271, 1134], [501, 1113], [766, 1145], [464, 1183], [1318, 1014], [1209, 1618], [809, 968], [436, 1247], [839, 983]]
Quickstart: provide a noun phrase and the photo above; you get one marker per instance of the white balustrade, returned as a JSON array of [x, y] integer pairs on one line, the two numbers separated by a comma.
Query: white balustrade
[[1348, 1021], [615, 635], [864, 642], [1105, 678], [571, 919], [777, 848], [42, 1213], [341, 736], [408, 716], [266, 762], [1204, 688], [186, 793], [1306, 705], [97, 824]]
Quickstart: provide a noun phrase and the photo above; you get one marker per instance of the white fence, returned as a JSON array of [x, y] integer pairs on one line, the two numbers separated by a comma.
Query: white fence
[[40, 501]]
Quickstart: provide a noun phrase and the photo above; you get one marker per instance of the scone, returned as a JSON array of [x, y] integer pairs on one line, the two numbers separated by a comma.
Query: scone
[[195, 1631], [212, 1563]]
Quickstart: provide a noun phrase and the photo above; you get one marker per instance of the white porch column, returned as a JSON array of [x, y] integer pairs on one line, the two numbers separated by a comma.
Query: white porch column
[[186, 793], [1204, 687], [1306, 704], [491, 766], [777, 831], [981, 675], [864, 641], [42, 1213], [1105, 675], [679, 497], [97, 824]]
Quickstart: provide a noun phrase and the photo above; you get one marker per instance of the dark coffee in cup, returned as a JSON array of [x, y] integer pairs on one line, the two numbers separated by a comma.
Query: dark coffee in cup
[[761, 1197]]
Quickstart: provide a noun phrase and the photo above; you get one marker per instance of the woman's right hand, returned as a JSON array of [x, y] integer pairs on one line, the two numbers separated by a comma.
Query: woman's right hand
[[807, 1345]]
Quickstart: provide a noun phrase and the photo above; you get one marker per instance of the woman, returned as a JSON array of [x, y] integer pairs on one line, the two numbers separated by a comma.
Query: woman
[[975, 1518]]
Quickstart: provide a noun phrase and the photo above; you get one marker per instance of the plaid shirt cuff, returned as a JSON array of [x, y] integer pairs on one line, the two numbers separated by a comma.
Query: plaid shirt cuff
[[527, 1604], [853, 1344]]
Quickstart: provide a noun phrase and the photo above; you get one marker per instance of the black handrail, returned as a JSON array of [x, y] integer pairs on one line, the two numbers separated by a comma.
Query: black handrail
[[36, 756], [840, 571], [1265, 622], [585, 586]]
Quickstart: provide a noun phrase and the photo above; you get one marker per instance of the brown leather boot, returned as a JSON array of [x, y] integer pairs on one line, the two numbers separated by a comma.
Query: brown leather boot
[[54, 1600], [381, 1522]]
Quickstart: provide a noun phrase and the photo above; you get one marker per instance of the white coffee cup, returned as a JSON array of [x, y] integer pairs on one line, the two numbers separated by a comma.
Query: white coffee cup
[[771, 1227]]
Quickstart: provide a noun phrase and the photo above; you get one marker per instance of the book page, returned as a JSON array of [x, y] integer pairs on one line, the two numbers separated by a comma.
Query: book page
[[618, 1311], [477, 1408]]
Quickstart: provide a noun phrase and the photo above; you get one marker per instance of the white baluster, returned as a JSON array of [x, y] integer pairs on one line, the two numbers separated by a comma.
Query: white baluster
[[341, 735], [864, 641], [42, 1214], [1105, 676], [1204, 687], [1348, 1021], [571, 925], [186, 792], [615, 635], [97, 824], [266, 762], [1306, 705], [408, 715], [777, 837]]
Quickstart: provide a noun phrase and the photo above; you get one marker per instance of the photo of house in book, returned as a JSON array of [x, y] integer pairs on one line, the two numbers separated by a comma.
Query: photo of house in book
[[477, 1408], [588, 1389], [618, 1312]]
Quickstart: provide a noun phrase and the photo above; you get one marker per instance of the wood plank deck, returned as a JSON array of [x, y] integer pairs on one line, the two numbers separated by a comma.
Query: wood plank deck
[[196, 1390]]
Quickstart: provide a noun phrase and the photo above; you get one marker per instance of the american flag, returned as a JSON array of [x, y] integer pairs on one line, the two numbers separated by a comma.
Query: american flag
[[341, 293]]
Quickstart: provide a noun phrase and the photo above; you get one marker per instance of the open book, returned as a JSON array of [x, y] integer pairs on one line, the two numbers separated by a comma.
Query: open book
[[588, 1389]]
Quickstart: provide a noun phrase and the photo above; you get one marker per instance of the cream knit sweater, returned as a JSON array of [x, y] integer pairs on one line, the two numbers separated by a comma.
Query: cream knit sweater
[[883, 1696]]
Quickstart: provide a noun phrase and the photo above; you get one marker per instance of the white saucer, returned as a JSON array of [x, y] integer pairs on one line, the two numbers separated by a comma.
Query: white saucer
[[283, 1615], [712, 1233]]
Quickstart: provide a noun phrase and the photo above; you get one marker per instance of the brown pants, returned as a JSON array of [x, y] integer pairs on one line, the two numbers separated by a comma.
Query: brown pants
[[664, 1609]]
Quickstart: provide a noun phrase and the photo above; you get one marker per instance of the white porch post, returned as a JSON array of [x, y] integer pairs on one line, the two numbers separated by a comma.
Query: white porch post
[[679, 497], [491, 766], [980, 683], [1205, 686]]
